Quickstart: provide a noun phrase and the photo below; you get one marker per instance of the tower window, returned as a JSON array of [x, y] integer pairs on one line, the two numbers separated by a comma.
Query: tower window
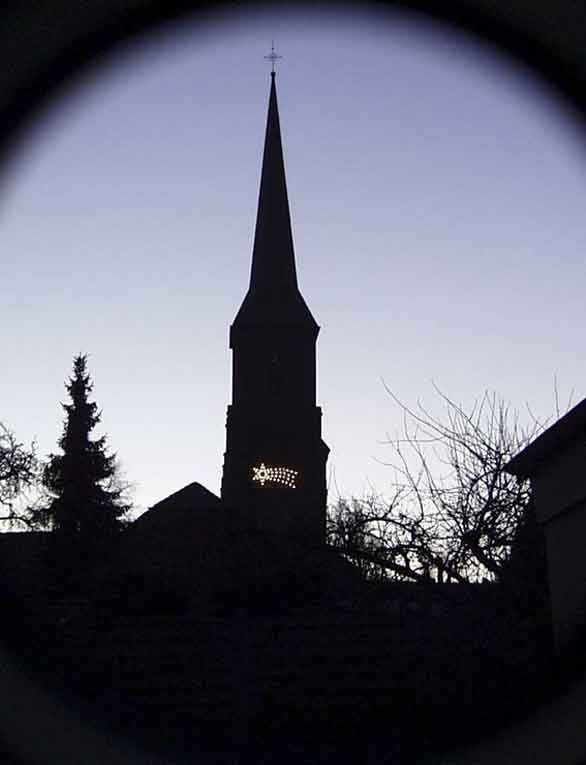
[[275, 375]]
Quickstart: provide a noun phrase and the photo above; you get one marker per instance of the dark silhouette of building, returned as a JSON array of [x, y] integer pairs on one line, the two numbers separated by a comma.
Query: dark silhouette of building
[[554, 464], [275, 460], [271, 518]]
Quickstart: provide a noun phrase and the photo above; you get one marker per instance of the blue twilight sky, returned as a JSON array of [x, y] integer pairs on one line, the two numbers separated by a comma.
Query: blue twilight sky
[[437, 197]]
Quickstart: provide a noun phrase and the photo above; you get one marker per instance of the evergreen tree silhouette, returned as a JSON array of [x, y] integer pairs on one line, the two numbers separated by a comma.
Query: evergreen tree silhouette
[[87, 508]]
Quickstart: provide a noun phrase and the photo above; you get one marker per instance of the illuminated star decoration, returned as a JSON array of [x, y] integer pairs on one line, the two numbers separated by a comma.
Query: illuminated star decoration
[[282, 476]]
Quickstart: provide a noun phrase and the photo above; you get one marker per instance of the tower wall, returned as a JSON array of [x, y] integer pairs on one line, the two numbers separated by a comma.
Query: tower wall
[[267, 445]]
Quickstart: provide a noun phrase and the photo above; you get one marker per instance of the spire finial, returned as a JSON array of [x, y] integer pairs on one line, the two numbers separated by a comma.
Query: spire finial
[[273, 57]]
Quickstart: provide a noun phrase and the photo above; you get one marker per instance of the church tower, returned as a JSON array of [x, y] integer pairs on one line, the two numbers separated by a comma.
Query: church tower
[[275, 459]]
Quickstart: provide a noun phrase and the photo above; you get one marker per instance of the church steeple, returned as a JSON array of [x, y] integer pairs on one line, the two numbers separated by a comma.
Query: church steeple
[[275, 460], [273, 295], [273, 261]]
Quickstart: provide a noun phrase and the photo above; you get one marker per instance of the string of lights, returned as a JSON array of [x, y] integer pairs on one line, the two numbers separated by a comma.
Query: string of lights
[[282, 476]]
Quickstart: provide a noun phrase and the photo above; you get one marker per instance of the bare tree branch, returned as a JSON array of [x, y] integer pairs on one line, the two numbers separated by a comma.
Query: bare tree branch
[[455, 511], [19, 472]]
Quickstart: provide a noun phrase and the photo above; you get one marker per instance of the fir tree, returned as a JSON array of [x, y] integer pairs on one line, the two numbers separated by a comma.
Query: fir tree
[[87, 505]]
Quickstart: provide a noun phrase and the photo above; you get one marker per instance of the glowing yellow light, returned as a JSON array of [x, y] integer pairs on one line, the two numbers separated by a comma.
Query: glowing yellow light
[[275, 475]]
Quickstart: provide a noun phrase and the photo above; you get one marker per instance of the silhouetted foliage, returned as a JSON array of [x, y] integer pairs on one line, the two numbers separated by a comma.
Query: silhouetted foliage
[[349, 530], [19, 469], [88, 503], [455, 513]]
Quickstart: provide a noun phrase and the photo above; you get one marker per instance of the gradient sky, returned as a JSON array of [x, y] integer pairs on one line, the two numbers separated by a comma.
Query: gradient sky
[[437, 198]]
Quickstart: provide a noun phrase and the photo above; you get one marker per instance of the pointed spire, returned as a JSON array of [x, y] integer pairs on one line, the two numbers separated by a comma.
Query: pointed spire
[[273, 261], [273, 295]]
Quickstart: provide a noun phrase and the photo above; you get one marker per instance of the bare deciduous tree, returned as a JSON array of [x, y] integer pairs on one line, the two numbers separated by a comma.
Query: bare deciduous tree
[[19, 472], [454, 511]]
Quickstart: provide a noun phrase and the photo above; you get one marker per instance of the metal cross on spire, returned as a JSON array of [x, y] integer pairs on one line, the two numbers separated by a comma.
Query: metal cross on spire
[[273, 57]]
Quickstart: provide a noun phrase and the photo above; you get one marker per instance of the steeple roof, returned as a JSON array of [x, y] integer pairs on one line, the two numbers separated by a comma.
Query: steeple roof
[[273, 296]]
